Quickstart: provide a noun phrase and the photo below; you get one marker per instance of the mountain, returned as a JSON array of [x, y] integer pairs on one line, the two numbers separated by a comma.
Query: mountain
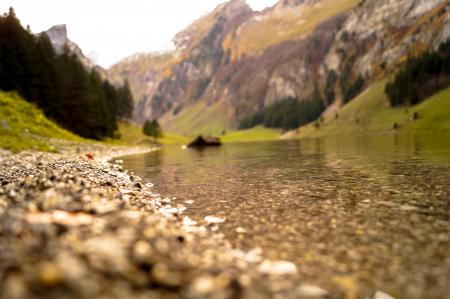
[[59, 39], [234, 62], [144, 73]]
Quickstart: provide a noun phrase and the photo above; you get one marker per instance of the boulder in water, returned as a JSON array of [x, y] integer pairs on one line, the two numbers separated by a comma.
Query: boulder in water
[[201, 141]]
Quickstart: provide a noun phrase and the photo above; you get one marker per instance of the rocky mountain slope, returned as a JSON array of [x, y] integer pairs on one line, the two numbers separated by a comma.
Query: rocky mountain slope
[[59, 39], [234, 61], [144, 72]]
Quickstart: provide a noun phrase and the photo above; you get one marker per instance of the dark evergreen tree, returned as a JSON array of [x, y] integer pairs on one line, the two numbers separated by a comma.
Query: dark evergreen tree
[[125, 101], [15, 58], [330, 95], [77, 98], [354, 89], [287, 114], [420, 77], [152, 129], [112, 96], [147, 129]]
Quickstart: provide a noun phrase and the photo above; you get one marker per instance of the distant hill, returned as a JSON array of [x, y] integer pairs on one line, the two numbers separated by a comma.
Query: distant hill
[[234, 62], [368, 113]]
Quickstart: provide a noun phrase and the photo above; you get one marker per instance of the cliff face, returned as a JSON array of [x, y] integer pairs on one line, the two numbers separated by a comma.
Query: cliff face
[[233, 61], [144, 72], [200, 55], [374, 39], [385, 32]]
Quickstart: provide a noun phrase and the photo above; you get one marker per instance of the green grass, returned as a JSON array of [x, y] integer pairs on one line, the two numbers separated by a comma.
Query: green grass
[[199, 119], [173, 139], [370, 113], [24, 127], [258, 133], [434, 113], [131, 134]]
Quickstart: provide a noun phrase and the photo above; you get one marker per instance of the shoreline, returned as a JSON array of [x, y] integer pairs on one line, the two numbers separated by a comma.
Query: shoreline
[[73, 225]]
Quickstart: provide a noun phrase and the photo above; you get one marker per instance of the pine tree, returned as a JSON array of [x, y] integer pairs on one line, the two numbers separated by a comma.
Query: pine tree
[[157, 130], [125, 101], [152, 129], [147, 129]]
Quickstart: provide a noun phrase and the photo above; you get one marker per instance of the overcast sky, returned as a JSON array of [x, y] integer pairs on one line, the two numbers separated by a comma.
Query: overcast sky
[[108, 30]]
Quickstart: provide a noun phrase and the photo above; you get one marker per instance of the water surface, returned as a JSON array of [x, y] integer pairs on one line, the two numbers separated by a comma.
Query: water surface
[[355, 213]]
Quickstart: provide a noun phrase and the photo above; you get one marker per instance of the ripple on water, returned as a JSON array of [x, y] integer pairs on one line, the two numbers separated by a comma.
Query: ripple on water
[[369, 214]]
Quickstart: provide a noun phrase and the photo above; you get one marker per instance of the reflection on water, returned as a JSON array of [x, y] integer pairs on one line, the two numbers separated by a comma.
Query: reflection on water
[[365, 212]]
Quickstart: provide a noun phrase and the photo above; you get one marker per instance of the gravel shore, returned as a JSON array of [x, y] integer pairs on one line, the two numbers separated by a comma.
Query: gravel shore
[[74, 226]]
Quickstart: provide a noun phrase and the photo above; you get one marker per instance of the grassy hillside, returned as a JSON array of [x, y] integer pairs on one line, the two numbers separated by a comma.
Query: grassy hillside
[[198, 119], [212, 120], [258, 133], [370, 113], [23, 126], [132, 134]]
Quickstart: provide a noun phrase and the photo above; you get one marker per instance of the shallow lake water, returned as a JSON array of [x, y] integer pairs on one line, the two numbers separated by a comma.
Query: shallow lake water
[[355, 213]]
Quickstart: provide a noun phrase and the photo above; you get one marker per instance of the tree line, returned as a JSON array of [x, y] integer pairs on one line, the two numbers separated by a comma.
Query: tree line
[[287, 114], [420, 77], [76, 98]]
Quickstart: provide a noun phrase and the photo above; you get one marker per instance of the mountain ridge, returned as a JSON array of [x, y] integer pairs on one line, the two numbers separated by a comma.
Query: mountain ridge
[[58, 35], [233, 78]]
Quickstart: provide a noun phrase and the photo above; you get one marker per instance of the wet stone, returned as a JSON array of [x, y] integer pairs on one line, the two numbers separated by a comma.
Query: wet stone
[[49, 274], [307, 291], [382, 295]]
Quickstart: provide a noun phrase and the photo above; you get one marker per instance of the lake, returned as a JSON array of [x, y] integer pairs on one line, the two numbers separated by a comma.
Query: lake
[[360, 213]]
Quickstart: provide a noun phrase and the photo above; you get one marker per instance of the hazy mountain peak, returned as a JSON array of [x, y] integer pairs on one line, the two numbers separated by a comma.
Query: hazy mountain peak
[[224, 15], [59, 39], [58, 35], [286, 5], [237, 5]]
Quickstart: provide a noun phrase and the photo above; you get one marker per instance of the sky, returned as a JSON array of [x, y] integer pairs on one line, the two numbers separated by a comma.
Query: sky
[[109, 30]]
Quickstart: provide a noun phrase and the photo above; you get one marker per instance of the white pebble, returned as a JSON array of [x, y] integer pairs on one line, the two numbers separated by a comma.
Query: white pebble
[[277, 267], [241, 230], [203, 285], [214, 220], [311, 291], [381, 295]]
